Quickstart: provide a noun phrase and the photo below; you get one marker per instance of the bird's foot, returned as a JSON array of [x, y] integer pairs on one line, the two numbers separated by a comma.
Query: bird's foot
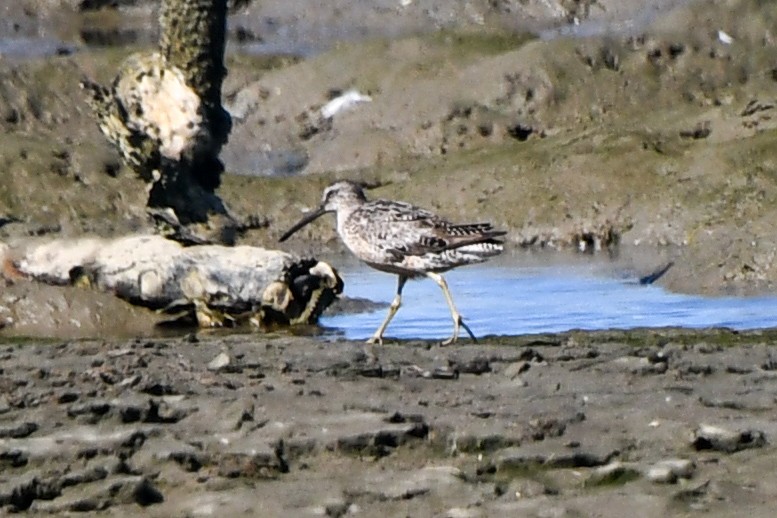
[[459, 323], [375, 339]]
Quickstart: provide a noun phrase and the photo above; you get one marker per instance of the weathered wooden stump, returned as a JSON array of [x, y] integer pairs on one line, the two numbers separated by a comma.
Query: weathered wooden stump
[[219, 285]]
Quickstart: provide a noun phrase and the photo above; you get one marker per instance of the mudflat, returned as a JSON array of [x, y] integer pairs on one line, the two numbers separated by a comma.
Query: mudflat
[[657, 422], [652, 142]]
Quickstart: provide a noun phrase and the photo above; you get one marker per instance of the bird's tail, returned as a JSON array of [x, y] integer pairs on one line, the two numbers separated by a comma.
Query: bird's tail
[[478, 238]]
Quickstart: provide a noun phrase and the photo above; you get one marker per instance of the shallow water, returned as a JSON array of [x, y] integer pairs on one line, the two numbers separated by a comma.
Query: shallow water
[[511, 300], [29, 48]]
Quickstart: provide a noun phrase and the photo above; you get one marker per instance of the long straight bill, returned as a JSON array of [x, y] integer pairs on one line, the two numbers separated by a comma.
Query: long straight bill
[[301, 223]]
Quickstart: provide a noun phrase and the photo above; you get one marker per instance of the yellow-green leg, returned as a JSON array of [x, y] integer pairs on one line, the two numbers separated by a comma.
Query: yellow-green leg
[[395, 304], [458, 322]]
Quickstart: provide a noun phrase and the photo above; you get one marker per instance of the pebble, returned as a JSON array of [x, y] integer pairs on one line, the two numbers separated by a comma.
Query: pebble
[[477, 365], [515, 369], [612, 473], [405, 486], [18, 430], [462, 512], [523, 457], [135, 489], [526, 488], [670, 470], [708, 437], [439, 373], [219, 362], [640, 366]]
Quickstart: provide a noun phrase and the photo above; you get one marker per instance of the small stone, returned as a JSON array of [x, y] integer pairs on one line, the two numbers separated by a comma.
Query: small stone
[[640, 366], [336, 507], [708, 437], [477, 365], [411, 484], [138, 490], [68, 397], [188, 457], [612, 473], [220, 362], [462, 512], [13, 457], [444, 373], [18, 430], [169, 411], [514, 370], [252, 463], [157, 386], [531, 456], [234, 414], [93, 410], [440, 373], [83, 476], [526, 488], [670, 470], [18, 492]]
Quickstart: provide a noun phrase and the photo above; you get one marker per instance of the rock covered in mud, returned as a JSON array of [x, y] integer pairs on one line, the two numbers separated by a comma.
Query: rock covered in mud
[[708, 437]]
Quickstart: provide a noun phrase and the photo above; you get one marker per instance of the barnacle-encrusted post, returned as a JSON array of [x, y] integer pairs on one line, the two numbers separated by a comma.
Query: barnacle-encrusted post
[[163, 112], [192, 40]]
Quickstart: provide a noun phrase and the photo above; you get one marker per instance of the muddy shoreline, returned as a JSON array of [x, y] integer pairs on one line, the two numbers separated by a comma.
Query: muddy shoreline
[[670, 421]]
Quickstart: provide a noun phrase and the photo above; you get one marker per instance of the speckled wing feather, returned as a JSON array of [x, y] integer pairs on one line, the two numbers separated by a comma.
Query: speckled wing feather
[[402, 229]]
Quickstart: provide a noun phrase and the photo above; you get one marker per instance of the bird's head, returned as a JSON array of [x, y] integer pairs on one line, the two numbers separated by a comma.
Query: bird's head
[[342, 194], [339, 195]]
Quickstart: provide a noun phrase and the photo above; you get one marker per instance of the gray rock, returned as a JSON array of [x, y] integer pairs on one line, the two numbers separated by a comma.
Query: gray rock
[[410, 485], [18, 430], [670, 470], [477, 365], [90, 411], [461, 512], [220, 362], [19, 492], [5, 407], [12, 457], [481, 441], [612, 473], [526, 488], [84, 476], [379, 436], [133, 490], [165, 449], [252, 456], [540, 455], [69, 504], [169, 410], [708, 437], [441, 373], [750, 402], [639, 366], [332, 508], [515, 369], [233, 416]]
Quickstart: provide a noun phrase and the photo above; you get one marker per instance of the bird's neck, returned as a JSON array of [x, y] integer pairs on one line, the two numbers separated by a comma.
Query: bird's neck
[[343, 214]]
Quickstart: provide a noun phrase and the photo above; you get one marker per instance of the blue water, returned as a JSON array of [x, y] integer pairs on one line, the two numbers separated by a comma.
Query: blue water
[[509, 300]]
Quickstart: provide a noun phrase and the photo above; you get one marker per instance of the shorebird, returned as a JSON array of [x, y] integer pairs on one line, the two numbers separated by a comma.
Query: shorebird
[[405, 240]]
